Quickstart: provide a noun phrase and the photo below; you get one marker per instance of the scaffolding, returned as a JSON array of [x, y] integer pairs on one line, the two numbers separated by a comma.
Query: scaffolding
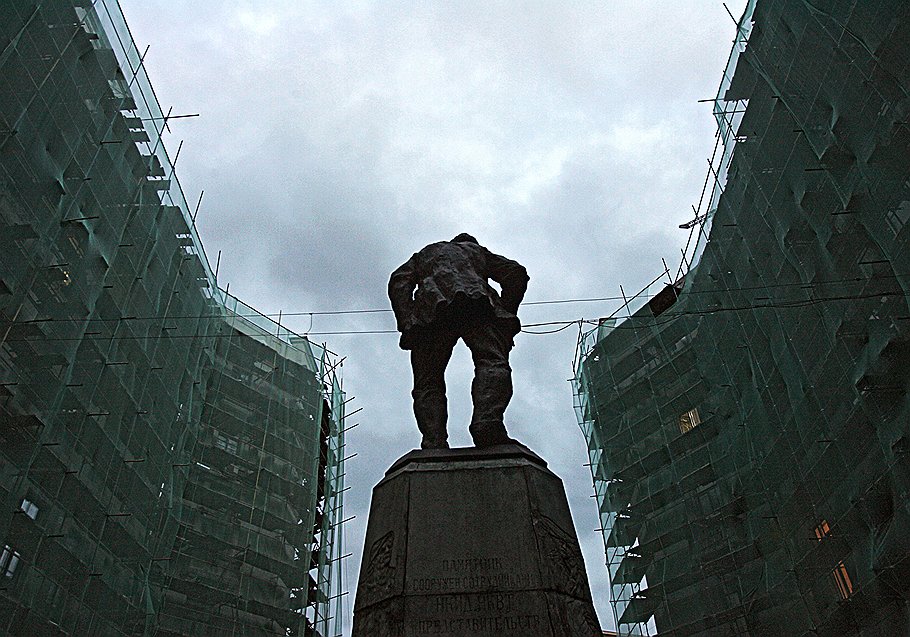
[[747, 420], [264, 490], [171, 460]]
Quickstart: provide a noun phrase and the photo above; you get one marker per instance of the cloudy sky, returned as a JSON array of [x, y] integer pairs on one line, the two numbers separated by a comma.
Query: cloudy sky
[[336, 139]]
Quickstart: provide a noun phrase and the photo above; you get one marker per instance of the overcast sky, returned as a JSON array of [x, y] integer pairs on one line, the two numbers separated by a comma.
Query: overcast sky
[[336, 139]]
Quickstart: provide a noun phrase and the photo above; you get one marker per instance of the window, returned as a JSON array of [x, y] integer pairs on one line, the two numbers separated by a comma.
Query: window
[[842, 580], [898, 217], [225, 442], [822, 530], [9, 560], [689, 420], [30, 508]]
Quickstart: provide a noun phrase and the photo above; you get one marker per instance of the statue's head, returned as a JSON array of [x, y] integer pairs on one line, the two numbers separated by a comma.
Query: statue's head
[[464, 237]]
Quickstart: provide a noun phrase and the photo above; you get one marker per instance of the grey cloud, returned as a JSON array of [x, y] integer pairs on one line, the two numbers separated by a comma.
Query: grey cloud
[[336, 140]]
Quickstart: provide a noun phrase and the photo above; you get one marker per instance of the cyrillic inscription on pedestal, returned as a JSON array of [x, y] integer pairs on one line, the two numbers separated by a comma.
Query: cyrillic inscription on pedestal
[[472, 542]]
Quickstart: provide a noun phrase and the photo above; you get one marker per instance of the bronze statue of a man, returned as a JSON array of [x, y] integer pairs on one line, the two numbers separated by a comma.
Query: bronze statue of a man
[[454, 299]]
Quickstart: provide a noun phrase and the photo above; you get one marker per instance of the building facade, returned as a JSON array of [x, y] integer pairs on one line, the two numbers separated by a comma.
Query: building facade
[[256, 548], [749, 424], [171, 459]]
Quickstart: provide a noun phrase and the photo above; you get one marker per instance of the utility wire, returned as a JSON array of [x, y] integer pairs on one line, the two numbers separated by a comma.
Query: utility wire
[[668, 317], [651, 321], [769, 286]]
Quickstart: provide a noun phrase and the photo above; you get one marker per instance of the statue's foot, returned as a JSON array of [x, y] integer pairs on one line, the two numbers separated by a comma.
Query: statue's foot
[[495, 442], [492, 440], [490, 433], [434, 444]]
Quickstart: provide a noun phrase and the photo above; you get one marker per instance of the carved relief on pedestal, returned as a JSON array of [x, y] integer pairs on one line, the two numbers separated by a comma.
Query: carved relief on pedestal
[[380, 574], [562, 558], [577, 616], [382, 620]]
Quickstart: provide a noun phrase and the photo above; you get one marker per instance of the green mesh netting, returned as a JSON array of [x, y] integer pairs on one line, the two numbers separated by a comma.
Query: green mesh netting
[[748, 426], [170, 459]]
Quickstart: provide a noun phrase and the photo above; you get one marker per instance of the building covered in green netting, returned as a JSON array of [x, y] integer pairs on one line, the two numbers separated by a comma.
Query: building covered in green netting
[[171, 459], [256, 550], [749, 424]]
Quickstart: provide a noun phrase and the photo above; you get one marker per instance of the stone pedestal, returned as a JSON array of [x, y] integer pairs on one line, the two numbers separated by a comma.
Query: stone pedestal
[[472, 542]]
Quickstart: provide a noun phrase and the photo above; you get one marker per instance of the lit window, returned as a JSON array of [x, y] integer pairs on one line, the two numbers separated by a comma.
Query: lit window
[[689, 420], [9, 560], [842, 580], [822, 530], [841, 577], [30, 508]]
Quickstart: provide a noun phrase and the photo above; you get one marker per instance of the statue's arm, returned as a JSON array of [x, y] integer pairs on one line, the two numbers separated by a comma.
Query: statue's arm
[[401, 293], [512, 277]]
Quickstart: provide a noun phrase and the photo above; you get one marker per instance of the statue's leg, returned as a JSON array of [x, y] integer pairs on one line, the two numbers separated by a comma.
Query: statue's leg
[[492, 386], [428, 360]]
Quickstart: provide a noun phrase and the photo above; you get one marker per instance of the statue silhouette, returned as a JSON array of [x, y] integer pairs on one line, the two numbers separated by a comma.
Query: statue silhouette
[[453, 299]]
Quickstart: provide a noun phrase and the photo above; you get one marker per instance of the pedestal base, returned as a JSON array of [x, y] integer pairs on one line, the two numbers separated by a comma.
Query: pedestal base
[[472, 542]]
